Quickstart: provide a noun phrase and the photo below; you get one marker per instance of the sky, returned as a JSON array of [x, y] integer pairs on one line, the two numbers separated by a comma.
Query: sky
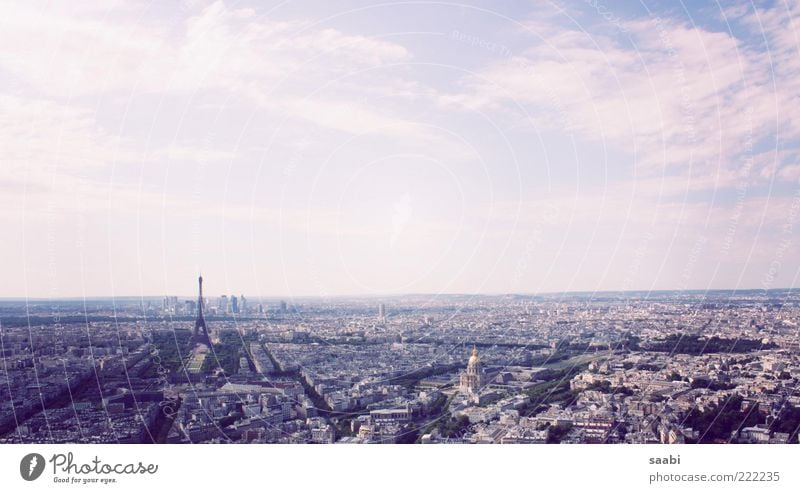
[[305, 148]]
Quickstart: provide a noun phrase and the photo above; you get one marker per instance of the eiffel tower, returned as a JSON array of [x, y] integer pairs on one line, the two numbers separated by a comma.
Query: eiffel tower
[[201, 337]]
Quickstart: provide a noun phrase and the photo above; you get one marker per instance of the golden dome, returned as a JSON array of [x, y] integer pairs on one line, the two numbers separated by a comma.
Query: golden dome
[[474, 359]]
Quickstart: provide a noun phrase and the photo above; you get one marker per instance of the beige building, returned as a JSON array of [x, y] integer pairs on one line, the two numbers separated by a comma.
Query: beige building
[[472, 379]]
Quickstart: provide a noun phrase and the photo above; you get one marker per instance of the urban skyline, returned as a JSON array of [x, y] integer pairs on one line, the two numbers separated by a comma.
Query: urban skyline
[[664, 368]]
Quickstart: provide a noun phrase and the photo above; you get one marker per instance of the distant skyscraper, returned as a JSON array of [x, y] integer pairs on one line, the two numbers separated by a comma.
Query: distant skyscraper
[[222, 306], [283, 306], [234, 304], [170, 304], [243, 304], [382, 311]]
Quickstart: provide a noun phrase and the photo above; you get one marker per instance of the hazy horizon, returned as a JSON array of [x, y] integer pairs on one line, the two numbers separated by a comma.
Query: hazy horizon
[[274, 297], [372, 149]]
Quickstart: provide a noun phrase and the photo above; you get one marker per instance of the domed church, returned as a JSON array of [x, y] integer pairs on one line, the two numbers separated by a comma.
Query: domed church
[[472, 379]]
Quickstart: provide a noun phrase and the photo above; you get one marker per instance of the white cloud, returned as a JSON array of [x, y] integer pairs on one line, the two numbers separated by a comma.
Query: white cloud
[[71, 60], [351, 117], [122, 49], [679, 97]]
